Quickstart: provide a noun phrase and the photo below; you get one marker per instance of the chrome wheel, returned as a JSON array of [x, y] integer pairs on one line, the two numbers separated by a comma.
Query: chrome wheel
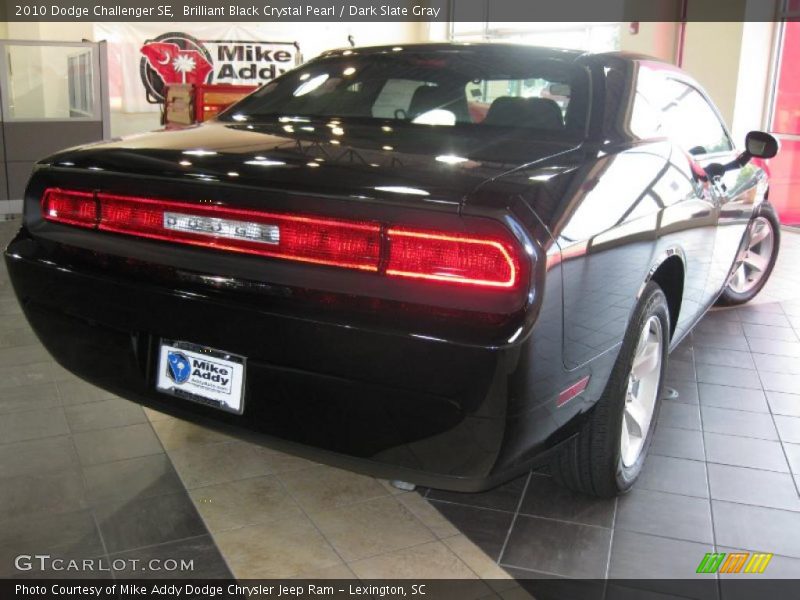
[[642, 392], [756, 258]]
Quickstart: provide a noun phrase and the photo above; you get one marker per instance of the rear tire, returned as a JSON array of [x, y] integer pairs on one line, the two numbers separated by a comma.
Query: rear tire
[[751, 274], [598, 461]]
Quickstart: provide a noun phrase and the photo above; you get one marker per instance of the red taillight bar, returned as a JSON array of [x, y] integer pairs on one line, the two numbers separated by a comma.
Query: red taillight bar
[[489, 261], [452, 258], [347, 244], [69, 207]]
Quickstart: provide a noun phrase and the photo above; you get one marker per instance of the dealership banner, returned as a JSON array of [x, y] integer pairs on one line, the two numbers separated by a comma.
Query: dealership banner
[[144, 58], [392, 10]]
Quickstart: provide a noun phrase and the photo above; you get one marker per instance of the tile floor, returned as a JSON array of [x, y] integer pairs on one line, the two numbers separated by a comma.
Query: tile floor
[[723, 473], [85, 474]]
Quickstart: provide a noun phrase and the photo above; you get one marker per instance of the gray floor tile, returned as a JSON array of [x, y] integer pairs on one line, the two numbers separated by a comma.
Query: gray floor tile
[[485, 528], [667, 515], [567, 549], [33, 374], [737, 422], [684, 351], [13, 337], [678, 443], [680, 369], [504, 497], [33, 424], [716, 326], [721, 340], [206, 560], [687, 391], [29, 397], [23, 355], [131, 479], [771, 346], [79, 392], [780, 382], [788, 428], [770, 332], [753, 486], [37, 456], [53, 493], [144, 522], [762, 317], [680, 415], [793, 456], [114, 412], [675, 475], [757, 528], [641, 556], [723, 358], [733, 376], [545, 498], [70, 535], [777, 364], [737, 398], [745, 452], [782, 403], [117, 443]]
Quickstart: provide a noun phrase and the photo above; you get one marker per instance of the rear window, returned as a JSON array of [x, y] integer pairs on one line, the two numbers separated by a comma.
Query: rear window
[[480, 90]]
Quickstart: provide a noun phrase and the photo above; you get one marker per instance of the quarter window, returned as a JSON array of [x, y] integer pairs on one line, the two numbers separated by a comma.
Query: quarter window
[[670, 108]]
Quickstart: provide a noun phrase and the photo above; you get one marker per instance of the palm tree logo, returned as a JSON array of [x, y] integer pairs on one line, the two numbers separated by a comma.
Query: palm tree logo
[[184, 64]]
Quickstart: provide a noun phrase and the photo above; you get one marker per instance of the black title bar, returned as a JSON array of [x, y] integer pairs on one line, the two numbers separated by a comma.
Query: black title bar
[[394, 10]]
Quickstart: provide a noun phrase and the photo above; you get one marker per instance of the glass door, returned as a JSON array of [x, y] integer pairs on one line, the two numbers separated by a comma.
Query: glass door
[[785, 122], [50, 98]]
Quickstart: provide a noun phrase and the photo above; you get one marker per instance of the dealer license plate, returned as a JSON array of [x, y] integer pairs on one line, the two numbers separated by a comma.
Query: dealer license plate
[[201, 374]]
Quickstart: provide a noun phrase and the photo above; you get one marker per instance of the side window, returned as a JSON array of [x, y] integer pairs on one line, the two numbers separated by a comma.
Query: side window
[[666, 107], [691, 122]]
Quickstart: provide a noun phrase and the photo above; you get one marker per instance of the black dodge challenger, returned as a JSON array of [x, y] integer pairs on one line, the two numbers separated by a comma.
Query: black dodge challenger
[[441, 264]]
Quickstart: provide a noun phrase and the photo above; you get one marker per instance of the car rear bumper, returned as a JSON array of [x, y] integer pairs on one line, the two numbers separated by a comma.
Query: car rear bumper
[[398, 406]]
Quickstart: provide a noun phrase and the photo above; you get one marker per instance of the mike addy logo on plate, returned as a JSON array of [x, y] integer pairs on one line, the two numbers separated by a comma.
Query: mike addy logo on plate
[[202, 372]]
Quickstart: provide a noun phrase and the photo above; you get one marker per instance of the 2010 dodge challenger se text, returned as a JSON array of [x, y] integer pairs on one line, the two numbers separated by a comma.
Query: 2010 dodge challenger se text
[[441, 264]]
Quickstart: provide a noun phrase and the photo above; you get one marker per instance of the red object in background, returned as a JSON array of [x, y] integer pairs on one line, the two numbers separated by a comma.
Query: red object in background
[[211, 99], [189, 104], [176, 65], [784, 189]]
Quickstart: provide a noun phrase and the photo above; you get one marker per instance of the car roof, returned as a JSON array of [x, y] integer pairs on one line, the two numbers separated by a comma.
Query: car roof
[[540, 51]]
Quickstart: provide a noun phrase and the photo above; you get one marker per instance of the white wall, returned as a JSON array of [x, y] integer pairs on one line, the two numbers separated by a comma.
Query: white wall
[[658, 39], [711, 55]]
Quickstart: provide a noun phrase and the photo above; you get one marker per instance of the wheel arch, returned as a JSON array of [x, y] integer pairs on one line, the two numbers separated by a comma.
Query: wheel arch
[[669, 272]]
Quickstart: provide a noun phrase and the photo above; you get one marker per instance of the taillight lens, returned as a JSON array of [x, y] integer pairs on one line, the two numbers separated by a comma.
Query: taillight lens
[[335, 242], [487, 261], [452, 258], [70, 207]]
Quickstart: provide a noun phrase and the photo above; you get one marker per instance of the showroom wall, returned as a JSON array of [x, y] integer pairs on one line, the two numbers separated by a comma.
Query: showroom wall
[[312, 37], [736, 73]]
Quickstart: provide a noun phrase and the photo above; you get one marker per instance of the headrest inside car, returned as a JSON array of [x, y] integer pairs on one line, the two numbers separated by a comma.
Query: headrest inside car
[[538, 113]]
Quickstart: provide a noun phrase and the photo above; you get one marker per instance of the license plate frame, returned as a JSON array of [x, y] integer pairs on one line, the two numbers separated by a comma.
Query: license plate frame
[[203, 383]]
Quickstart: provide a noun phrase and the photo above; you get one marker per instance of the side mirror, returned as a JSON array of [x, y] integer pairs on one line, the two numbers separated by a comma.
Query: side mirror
[[759, 144]]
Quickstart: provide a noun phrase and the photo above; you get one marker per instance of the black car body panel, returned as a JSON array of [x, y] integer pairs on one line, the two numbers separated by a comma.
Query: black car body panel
[[458, 389]]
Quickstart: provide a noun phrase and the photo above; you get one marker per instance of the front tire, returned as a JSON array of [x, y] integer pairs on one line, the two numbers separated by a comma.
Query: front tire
[[755, 266], [607, 455]]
